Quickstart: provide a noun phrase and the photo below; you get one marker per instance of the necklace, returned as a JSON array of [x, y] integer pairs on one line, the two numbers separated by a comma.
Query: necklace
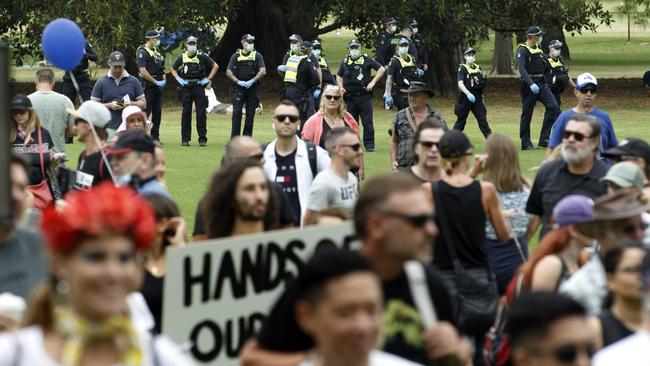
[[334, 120]]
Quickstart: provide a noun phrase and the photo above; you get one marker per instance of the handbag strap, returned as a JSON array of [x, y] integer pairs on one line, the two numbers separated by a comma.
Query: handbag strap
[[40, 152], [419, 288]]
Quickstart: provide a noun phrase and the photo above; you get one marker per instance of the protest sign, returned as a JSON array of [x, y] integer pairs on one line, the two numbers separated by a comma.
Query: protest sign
[[218, 292]]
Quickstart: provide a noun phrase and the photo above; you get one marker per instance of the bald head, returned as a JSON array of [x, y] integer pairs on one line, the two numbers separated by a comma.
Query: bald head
[[242, 147]]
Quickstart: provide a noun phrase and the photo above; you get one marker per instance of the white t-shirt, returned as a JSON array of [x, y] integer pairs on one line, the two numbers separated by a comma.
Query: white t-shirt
[[631, 351], [331, 190], [377, 358]]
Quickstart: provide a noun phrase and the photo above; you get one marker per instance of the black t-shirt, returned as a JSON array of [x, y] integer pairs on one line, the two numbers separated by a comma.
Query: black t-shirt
[[152, 291], [287, 179], [31, 152], [94, 165]]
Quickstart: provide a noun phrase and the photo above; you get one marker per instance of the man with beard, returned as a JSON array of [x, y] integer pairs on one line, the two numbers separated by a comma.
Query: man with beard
[[577, 172], [239, 201], [337, 186], [585, 92], [425, 149]]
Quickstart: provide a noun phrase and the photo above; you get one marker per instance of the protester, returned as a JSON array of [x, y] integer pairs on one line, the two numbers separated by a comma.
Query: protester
[[170, 232], [51, 107], [291, 162], [578, 172], [425, 151], [501, 168], [87, 314], [328, 216], [22, 264], [624, 315], [550, 330], [239, 201], [636, 151], [134, 163], [161, 165], [91, 163], [337, 186], [133, 117]]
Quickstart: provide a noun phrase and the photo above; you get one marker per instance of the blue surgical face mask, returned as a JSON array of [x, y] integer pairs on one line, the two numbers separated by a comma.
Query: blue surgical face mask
[[250, 47], [555, 53], [403, 50], [316, 53], [415, 30], [124, 180], [293, 47], [355, 53], [191, 48], [157, 43], [470, 59], [393, 28]]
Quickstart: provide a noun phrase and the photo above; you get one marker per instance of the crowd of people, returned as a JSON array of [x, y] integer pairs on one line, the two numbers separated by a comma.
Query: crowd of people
[[445, 274]]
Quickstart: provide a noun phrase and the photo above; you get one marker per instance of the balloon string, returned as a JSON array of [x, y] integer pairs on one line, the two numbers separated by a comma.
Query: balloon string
[[92, 128]]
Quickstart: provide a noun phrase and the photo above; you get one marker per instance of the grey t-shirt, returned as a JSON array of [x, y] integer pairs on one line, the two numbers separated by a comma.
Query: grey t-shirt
[[51, 109], [329, 189], [22, 264]]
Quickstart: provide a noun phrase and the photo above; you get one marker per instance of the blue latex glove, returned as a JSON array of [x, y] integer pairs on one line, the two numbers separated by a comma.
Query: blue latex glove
[[470, 97], [241, 83], [181, 81], [534, 88], [420, 72], [316, 93], [248, 84], [282, 68], [203, 81], [388, 99], [161, 83]]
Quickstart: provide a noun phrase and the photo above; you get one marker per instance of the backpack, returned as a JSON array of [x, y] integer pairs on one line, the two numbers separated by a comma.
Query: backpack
[[311, 156]]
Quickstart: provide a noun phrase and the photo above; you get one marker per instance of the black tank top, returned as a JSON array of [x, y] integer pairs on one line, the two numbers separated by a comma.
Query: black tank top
[[465, 218], [613, 329]]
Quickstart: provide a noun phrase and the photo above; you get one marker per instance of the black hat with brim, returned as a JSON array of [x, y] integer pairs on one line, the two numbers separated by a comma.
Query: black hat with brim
[[534, 31], [416, 87]]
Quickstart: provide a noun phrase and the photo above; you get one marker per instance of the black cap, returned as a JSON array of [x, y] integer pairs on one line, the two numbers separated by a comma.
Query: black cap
[[534, 31], [469, 50], [316, 44], [295, 38], [354, 42], [555, 44], [305, 45], [454, 144], [630, 146], [192, 40], [116, 58], [390, 20], [20, 102], [418, 86], [248, 38], [133, 140], [152, 33], [413, 23], [402, 40]]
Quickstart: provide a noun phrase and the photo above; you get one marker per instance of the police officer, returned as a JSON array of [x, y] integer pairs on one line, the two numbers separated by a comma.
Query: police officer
[[387, 42], [532, 64], [402, 70], [81, 75], [299, 79], [557, 76], [327, 77], [295, 40], [416, 37], [245, 68], [193, 70], [471, 83], [356, 83], [151, 65]]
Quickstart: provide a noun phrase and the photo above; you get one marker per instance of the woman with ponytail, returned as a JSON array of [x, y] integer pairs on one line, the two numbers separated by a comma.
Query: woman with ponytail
[[89, 313]]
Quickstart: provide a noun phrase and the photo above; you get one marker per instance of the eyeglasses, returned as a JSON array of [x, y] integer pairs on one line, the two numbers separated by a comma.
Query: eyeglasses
[[429, 144], [283, 117], [417, 221], [578, 136], [586, 90], [330, 97], [354, 147]]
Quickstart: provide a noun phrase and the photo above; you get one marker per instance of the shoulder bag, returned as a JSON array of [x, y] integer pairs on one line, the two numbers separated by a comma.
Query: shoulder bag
[[41, 191]]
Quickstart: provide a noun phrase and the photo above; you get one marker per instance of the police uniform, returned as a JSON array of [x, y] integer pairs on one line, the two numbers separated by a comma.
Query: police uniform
[[403, 72], [245, 67], [532, 64], [386, 43], [356, 76], [154, 62], [193, 68], [422, 55], [474, 80], [299, 79], [81, 76], [557, 77]]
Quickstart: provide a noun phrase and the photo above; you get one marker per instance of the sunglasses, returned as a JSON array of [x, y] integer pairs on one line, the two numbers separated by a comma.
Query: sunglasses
[[354, 147], [587, 90], [330, 97], [631, 229], [417, 221], [578, 136], [283, 117], [428, 144]]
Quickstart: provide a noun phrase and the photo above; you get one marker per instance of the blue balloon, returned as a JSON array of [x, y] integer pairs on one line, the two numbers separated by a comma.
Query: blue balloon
[[63, 43]]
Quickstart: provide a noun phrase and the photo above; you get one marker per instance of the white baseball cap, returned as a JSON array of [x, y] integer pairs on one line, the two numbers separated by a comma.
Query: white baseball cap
[[92, 112], [585, 79]]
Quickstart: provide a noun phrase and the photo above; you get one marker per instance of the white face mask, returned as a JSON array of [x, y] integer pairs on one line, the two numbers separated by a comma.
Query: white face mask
[[393, 28], [470, 59], [157, 43], [293, 47], [539, 40], [355, 53], [250, 47], [556, 53], [191, 48], [403, 50], [316, 53], [415, 30]]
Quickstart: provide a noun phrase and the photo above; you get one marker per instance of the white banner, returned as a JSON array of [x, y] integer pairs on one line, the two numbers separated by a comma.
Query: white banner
[[218, 292]]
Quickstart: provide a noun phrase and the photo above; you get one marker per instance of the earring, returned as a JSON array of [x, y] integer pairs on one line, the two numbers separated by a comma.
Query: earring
[[63, 287]]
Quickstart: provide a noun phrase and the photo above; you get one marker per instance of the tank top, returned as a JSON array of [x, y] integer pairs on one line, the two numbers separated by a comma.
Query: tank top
[[613, 329], [326, 131], [465, 218]]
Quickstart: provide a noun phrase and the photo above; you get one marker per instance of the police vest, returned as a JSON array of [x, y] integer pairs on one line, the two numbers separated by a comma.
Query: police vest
[[407, 72], [192, 68], [246, 67], [355, 76], [475, 80], [558, 76], [535, 62], [155, 61], [291, 74]]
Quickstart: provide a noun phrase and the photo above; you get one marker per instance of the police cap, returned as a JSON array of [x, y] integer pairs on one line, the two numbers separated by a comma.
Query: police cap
[[413, 23], [390, 21], [354, 42], [248, 38], [315, 44], [191, 40], [402, 41], [305, 45], [534, 31], [469, 50], [555, 44], [152, 33], [295, 38]]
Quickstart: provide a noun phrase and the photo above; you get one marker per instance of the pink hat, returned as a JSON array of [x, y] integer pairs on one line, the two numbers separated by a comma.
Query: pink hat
[[128, 111]]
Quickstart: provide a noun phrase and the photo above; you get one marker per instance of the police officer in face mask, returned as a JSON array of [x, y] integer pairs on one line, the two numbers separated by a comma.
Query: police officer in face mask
[[471, 82], [402, 70], [532, 64], [300, 78], [416, 37], [193, 70], [245, 68], [557, 75], [356, 83], [387, 41], [295, 41], [151, 65]]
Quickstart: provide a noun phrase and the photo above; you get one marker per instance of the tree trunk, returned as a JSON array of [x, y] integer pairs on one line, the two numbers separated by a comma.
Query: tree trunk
[[503, 55], [444, 68], [556, 32]]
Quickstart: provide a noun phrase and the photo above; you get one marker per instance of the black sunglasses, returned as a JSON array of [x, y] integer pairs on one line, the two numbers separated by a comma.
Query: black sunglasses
[[428, 144], [587, 90], [631, 229], [283, 117], [576, 135], [569, 353], [354, 147], [417, 221], [330, 97]]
